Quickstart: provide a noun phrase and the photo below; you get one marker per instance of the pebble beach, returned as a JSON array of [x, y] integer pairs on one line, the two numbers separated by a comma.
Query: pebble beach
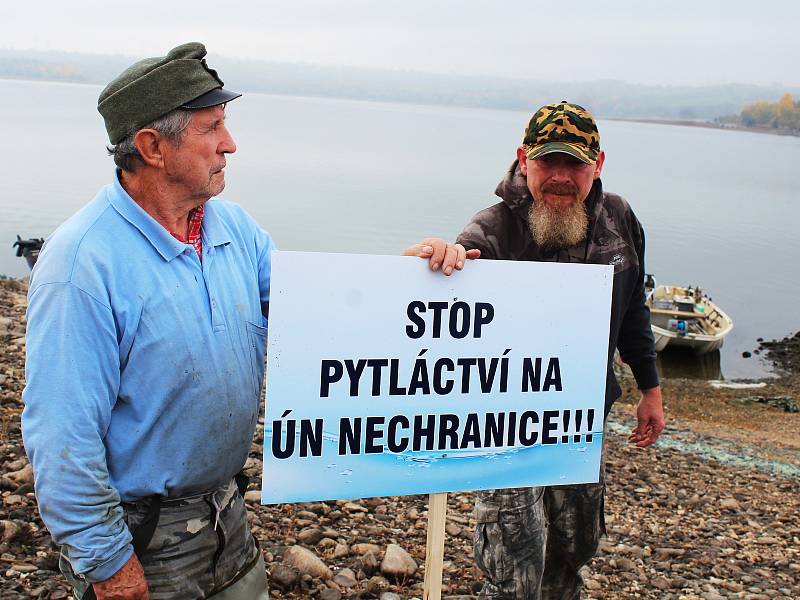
[[711, 511]]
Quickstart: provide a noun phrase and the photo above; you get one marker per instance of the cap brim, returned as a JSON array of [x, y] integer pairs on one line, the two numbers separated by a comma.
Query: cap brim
[[213, 98], [579, 151]]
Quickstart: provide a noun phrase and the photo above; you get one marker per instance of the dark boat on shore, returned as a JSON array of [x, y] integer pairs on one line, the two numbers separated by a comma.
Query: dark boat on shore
[[29, 249]]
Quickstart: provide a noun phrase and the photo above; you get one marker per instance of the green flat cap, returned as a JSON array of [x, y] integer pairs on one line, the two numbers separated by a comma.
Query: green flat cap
[[153, 87]]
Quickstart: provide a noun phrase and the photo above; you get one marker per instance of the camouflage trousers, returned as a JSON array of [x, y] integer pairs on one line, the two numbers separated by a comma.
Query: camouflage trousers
[[531, 543], [202, 544]]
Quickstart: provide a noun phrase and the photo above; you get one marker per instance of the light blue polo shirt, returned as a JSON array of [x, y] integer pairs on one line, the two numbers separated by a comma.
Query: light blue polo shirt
[[144, 367]]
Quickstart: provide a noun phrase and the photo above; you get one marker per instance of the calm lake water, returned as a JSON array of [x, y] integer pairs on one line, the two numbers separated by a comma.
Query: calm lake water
[[720, 208]]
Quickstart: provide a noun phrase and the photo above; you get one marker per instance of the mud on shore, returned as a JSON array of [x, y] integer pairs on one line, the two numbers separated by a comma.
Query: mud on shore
[[713, 511]]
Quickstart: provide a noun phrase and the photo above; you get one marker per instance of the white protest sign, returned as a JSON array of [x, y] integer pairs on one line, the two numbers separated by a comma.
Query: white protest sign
[[386, 379]]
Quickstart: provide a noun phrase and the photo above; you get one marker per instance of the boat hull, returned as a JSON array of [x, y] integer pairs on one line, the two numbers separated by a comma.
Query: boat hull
[[698, 344]]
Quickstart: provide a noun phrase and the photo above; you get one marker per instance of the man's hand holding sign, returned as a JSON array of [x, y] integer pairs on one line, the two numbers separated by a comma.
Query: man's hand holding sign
[[442, 255]]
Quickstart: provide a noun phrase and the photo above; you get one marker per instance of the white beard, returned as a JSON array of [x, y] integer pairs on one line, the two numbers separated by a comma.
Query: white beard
[[558, 227]]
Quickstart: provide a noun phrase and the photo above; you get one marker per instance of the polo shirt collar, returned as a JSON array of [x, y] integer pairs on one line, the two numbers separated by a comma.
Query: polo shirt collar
[[163, 241], [215, 233]]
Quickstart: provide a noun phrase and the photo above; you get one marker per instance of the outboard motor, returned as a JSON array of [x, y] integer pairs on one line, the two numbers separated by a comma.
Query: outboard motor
[[29, 249]]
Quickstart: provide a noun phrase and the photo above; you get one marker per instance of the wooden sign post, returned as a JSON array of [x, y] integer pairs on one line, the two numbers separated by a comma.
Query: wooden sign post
[[434, 551]]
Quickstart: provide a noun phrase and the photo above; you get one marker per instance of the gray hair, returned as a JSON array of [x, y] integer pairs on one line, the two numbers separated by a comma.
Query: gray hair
[[170, 125]]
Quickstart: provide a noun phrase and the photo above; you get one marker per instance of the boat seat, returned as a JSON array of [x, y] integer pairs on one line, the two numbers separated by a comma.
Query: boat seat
[[678, 314]]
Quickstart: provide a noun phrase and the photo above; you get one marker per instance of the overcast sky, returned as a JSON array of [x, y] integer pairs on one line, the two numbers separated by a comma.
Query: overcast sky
[[676, 42]]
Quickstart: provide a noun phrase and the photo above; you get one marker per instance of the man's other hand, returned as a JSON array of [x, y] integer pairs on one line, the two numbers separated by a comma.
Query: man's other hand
[[442, 255], [650, 416], [126, 584]]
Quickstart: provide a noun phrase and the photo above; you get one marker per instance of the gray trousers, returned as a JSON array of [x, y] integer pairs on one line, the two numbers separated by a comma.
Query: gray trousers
[[531, 543], [201, 548]]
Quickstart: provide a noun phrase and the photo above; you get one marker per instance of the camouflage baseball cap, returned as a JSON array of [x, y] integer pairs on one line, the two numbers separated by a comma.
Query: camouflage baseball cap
[[562, 127]]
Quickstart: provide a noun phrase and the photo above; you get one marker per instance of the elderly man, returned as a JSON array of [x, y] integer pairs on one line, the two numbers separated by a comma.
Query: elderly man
[[531, 543], [145, 352]]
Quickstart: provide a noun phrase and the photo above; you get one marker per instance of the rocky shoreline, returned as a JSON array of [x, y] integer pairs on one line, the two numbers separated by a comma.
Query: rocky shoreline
[[713, 511], [784, 353]]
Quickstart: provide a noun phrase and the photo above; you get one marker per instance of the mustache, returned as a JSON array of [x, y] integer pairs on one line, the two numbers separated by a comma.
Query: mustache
[[562, 189]]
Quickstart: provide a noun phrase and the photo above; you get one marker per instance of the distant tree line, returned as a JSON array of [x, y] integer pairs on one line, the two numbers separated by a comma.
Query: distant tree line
[[605, 98], [783, 114]]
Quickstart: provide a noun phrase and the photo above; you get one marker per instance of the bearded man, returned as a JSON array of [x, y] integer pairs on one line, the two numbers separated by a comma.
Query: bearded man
[[532, 542]]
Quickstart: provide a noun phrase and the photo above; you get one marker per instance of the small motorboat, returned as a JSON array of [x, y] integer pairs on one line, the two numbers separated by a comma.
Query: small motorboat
[[29, 249], [685, 317]]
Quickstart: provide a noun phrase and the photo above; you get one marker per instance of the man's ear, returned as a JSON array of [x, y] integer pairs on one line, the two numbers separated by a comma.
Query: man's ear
[[522, 159], [598, 165], [148, 144]]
